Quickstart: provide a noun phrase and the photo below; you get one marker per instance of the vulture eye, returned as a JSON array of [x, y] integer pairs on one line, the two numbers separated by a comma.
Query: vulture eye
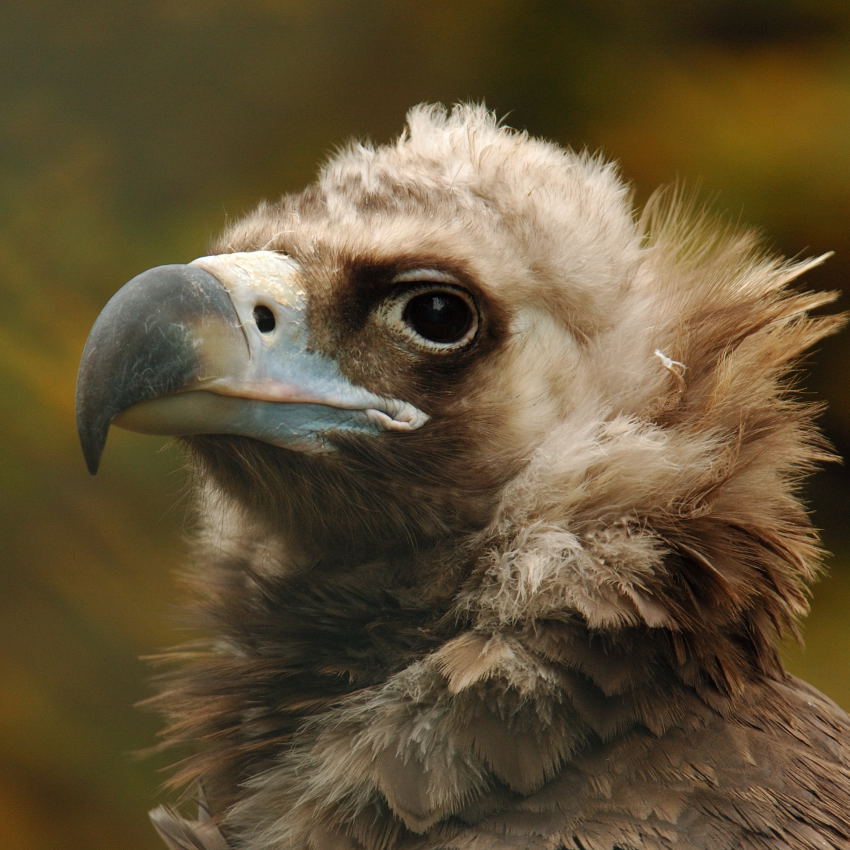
[[441, 317], [435, 317]]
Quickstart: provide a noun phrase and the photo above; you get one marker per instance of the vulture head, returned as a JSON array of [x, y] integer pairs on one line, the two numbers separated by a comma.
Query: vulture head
[[498, 525]]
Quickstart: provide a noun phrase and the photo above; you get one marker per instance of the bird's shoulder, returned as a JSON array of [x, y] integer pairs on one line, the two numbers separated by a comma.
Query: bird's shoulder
[[775, 775]]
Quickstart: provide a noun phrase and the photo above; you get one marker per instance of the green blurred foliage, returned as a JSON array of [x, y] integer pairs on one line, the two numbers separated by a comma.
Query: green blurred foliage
[[131, 131]]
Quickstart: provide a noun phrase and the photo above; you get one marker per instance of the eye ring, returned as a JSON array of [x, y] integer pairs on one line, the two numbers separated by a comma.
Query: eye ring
[[435, 316]]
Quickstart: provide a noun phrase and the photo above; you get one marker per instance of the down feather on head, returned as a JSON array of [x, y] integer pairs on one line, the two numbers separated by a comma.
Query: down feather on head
[[499, 526]]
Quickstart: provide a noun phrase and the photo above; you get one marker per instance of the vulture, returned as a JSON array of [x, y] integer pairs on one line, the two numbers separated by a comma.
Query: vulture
[[498, 512]]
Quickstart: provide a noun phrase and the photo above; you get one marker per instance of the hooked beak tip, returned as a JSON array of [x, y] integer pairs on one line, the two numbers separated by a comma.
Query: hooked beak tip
[[92, 441]]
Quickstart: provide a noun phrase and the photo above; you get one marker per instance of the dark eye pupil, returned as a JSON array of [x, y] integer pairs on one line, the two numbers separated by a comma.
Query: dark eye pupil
[[438, 316]]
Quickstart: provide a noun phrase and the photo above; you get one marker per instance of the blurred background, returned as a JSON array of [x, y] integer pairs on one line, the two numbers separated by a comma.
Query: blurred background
[[130, 131]]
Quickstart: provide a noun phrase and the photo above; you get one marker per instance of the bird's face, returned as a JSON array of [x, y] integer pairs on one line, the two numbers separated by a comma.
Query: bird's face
[[389, 388], [385, 350]]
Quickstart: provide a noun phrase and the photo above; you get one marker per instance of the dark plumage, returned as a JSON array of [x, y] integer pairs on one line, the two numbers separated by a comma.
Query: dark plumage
[[499, 525]]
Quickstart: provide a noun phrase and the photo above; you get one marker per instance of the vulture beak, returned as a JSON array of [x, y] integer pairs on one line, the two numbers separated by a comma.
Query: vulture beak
[[220, 346]]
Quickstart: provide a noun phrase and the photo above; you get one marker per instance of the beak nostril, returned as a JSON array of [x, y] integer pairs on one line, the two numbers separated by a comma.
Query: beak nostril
[[264, 318]]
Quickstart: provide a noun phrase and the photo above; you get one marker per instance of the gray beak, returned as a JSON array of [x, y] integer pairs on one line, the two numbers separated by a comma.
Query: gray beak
[[220, 346]]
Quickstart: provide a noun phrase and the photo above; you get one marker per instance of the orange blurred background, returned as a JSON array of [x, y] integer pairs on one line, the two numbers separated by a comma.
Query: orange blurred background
[[130, 131]]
